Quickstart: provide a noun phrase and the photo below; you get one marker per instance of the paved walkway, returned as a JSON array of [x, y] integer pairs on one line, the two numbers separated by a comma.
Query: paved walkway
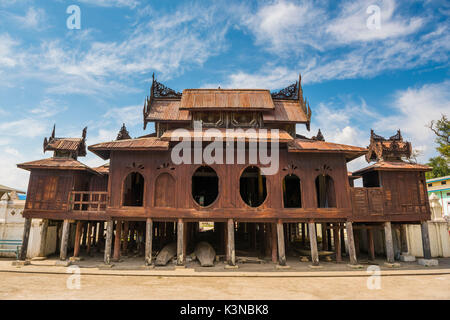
[[130, 280]]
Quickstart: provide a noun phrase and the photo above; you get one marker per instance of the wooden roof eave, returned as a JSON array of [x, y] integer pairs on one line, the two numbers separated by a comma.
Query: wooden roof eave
[[372, 168], [38, 167]]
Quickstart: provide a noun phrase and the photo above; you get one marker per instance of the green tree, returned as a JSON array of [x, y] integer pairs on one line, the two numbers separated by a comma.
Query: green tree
[[440, 163]]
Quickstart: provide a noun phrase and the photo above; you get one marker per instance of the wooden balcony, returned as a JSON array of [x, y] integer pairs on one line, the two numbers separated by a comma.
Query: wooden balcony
[[91, 201]]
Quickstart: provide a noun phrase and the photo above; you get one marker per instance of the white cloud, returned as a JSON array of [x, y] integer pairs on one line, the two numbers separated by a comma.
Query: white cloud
[[112, 3], [131, 115], [28, 128], [48, 108], [34, 18]]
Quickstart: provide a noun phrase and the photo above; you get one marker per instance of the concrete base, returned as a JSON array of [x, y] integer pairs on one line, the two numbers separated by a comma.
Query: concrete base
[[407, 258], [355, 266], [227, 266], [428, 262], [39, 258], [304, 259], [148, 267], [73, 259], [279, 267], [315, 267], [180, 267], [105, 266], [392, 265], [62, 263], [20, 263]]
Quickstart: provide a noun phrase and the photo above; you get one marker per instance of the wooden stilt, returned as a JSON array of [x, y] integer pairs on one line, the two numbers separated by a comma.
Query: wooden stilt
[[337, 244], [274, 245], [370, 244], [180, 242], [89, 238], [108, 242], [25, 238], [231, 253], [403, 241], [117, 241], [389, 242], [44, 229], [351, 243], [64, 240], [328, 237], [343, 249], [313, 243], [281, 248], [84, 241], [425, 240], [76, 247], [148, 242], [303, 234], [324, 237], [94, 233], [125, 238]]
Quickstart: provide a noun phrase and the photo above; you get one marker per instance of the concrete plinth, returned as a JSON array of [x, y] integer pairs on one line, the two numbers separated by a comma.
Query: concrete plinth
[[428, 262], [20, 263], [63, 263], [74, 259], [407, 257], [355, 266], [392, 265], [279, 267], [227, 266], [39, 258]]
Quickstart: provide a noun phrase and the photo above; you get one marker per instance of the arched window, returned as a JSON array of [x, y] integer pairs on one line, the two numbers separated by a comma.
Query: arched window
[[133, 190], [252, 186], [326, 195], [165, 191], [205, 186], [292, 195]]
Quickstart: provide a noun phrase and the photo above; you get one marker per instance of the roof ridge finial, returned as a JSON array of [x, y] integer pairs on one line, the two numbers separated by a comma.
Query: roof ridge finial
[[123, 133]]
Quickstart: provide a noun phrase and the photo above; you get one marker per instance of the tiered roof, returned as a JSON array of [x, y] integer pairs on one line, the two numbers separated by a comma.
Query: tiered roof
[[75, 147]]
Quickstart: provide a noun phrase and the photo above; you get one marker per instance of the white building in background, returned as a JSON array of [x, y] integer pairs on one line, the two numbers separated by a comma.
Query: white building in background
[[12, 222]]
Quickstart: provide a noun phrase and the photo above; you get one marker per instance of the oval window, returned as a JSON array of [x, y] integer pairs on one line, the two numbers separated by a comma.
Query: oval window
[[205, 186], [252, 186]]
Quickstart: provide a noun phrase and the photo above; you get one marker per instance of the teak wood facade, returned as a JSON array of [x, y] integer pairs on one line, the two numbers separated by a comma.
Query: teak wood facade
[[142, 184]]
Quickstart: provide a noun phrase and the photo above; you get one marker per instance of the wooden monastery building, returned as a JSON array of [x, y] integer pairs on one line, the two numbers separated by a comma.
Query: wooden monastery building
[[143, 200]]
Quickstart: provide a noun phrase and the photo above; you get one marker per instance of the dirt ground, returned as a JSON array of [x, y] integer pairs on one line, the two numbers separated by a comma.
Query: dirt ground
[[21, 285]]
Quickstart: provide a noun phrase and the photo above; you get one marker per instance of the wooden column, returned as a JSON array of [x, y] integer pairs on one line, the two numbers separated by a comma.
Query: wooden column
[[76, 247], [370, 244], [356, 239], [125, 238], [148, 242], [101, 239], [231, 253], [313, 243], [89, 237], [425, 240], [303, 234], [328, 237], [389, 242], [324, 237], [108, 242], [274, 245], [180, 243], [116, 256], [94, 234], [343, 248], [281, 248], [64, 240], [84, 241], [44, 229], [25, 238], [403, 240], [351, 243], [337, 244]]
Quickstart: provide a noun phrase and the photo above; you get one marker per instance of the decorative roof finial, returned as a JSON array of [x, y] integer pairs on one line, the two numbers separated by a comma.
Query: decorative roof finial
[[123, 133]]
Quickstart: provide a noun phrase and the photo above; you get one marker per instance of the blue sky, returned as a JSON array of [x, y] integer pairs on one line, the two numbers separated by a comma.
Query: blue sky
[[356, 78]]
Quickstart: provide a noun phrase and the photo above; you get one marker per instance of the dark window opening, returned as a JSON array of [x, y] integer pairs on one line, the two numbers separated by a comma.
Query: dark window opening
[[430, 184], [292, 191], [133, 190], [371, 180], [253, 187], [326, 197], [205, 186], [444, 182]]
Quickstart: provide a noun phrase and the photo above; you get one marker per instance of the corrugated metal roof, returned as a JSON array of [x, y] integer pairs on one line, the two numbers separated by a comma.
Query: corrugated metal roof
[[394, 165], [226, 99], [211, 134], [104, 169], [304, 145], [167, 110], [67, 144], [286, 111], [55, 163], [150, 143]]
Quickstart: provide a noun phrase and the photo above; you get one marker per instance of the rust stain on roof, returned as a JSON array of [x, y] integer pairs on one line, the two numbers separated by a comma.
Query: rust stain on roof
[[286, 111], [66, 144], [394, 165], [226, 99], [55, 163], [167, 110], [235, 134]]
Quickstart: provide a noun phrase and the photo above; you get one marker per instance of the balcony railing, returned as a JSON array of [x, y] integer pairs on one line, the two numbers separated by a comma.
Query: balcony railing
[[88, 201]]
